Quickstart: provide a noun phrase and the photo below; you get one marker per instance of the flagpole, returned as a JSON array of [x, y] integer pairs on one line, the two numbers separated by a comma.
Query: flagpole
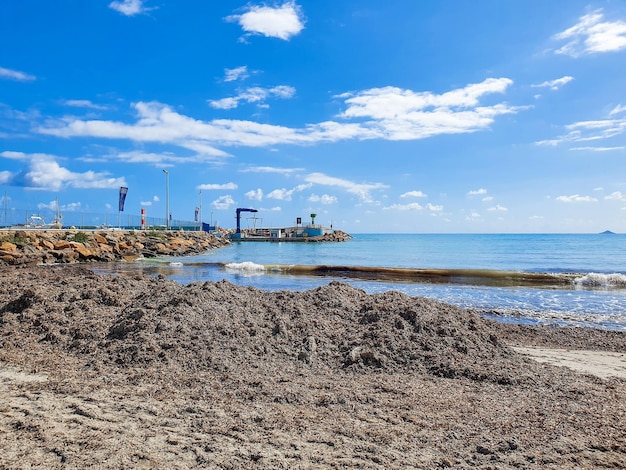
[[120, 208], [167, 199]]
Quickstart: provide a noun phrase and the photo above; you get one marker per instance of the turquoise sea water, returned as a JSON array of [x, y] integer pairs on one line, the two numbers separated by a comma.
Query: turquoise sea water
[[548, 279]]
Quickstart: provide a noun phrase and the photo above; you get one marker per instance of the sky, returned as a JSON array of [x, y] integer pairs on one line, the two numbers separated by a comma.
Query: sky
[[380, 117]]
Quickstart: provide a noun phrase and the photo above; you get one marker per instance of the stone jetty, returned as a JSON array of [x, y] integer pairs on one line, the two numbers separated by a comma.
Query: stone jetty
[[31, 247]]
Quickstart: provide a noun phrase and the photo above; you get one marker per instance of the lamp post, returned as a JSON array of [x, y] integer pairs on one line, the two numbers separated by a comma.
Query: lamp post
[[201, 228], [167, 199]]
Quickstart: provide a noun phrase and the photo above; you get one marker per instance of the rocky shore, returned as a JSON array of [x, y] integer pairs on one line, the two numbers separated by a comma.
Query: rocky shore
[[118, 372], [72, 246]]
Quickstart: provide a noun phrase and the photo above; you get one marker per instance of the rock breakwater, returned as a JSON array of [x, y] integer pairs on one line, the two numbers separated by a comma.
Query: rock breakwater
[[22, 247]]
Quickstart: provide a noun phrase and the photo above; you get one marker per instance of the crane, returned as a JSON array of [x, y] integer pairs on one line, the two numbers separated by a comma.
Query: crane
[[239, 211]]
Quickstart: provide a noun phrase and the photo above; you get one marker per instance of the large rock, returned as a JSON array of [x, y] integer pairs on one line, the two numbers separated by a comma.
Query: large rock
[[84, 252], [8, 247], [62, 245]]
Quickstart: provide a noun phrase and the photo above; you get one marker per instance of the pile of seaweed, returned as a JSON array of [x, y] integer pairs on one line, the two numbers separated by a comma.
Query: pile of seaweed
[[217, 326]]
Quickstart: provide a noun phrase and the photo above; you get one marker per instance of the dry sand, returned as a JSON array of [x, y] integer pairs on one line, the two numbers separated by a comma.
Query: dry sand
[[141, 372], [601, 363]]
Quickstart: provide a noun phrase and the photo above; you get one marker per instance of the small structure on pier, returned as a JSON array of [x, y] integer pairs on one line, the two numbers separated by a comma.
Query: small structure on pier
[[297, 233]]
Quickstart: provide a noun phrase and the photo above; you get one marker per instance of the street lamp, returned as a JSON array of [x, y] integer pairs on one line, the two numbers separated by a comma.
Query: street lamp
[[167, 199], [201, 211]]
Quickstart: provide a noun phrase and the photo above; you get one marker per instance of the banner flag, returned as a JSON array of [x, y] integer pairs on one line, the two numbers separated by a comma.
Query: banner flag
[[196, 216], [123, 192]]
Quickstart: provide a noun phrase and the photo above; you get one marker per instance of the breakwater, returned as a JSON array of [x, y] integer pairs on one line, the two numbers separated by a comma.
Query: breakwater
[[18, 247]]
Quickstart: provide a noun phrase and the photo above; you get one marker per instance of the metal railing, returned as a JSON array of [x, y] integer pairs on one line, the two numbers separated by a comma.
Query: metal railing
[[92, 220]]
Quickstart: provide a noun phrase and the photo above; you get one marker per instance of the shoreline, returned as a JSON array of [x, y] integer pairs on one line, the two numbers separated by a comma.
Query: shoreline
[[143, 372]]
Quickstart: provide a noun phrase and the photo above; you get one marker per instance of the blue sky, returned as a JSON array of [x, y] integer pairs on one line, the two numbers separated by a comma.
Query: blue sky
[[395, 116]]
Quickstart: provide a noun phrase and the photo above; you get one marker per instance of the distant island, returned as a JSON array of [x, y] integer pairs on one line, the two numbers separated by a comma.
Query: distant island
[[607, 232]]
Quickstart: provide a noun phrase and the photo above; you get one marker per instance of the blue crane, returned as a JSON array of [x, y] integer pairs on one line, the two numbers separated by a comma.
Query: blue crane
[[239, 211]]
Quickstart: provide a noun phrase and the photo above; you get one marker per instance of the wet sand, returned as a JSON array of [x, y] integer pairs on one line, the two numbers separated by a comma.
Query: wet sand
[[141, 372]]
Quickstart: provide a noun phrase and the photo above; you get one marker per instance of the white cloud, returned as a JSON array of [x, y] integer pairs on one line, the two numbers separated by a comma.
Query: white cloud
[[145, 203], [281, 194], [487, 199], [143, 157], [5, 177], [618, 109], [52, 205], [159, 159], [598, 149], [386, 113], [203, 150], [15, 75], [434, 208], [255, 194], [286, 194], [362, 190], [413, 194], [414, 206], [217, 186], [43, 172], [555, 84], [586, 131], [323, 199], [223, 202], [616, 196], [399, 114], [84, 104], [129, 7], [254, 95], [159, 123], [477, 192], [224, 103], [238, 73], [282, 22], [497, 208], [592, 35], [155, 199], [270, 169], [576, 198]]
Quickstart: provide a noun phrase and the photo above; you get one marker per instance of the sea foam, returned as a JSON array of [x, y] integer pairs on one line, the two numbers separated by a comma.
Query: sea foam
[[602, 281], [247, 267]]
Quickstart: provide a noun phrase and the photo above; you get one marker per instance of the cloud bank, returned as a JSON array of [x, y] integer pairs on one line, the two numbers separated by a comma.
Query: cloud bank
[[387, 113]]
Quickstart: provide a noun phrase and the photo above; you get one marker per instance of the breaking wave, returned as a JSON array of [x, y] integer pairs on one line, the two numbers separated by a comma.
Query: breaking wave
[[472, 277], [461, 277], [246, 267], [601, 281]]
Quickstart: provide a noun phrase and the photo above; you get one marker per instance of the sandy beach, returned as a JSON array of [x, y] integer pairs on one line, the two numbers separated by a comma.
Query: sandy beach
[[141, 372]]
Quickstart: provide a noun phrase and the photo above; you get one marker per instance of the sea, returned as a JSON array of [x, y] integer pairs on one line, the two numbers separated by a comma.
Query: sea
[[546, 279]]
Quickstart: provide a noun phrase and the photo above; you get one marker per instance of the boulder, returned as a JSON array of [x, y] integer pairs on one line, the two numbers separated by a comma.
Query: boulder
[[62, 245], [46, 244], [8, 247], [100, 239], [84, 252]]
